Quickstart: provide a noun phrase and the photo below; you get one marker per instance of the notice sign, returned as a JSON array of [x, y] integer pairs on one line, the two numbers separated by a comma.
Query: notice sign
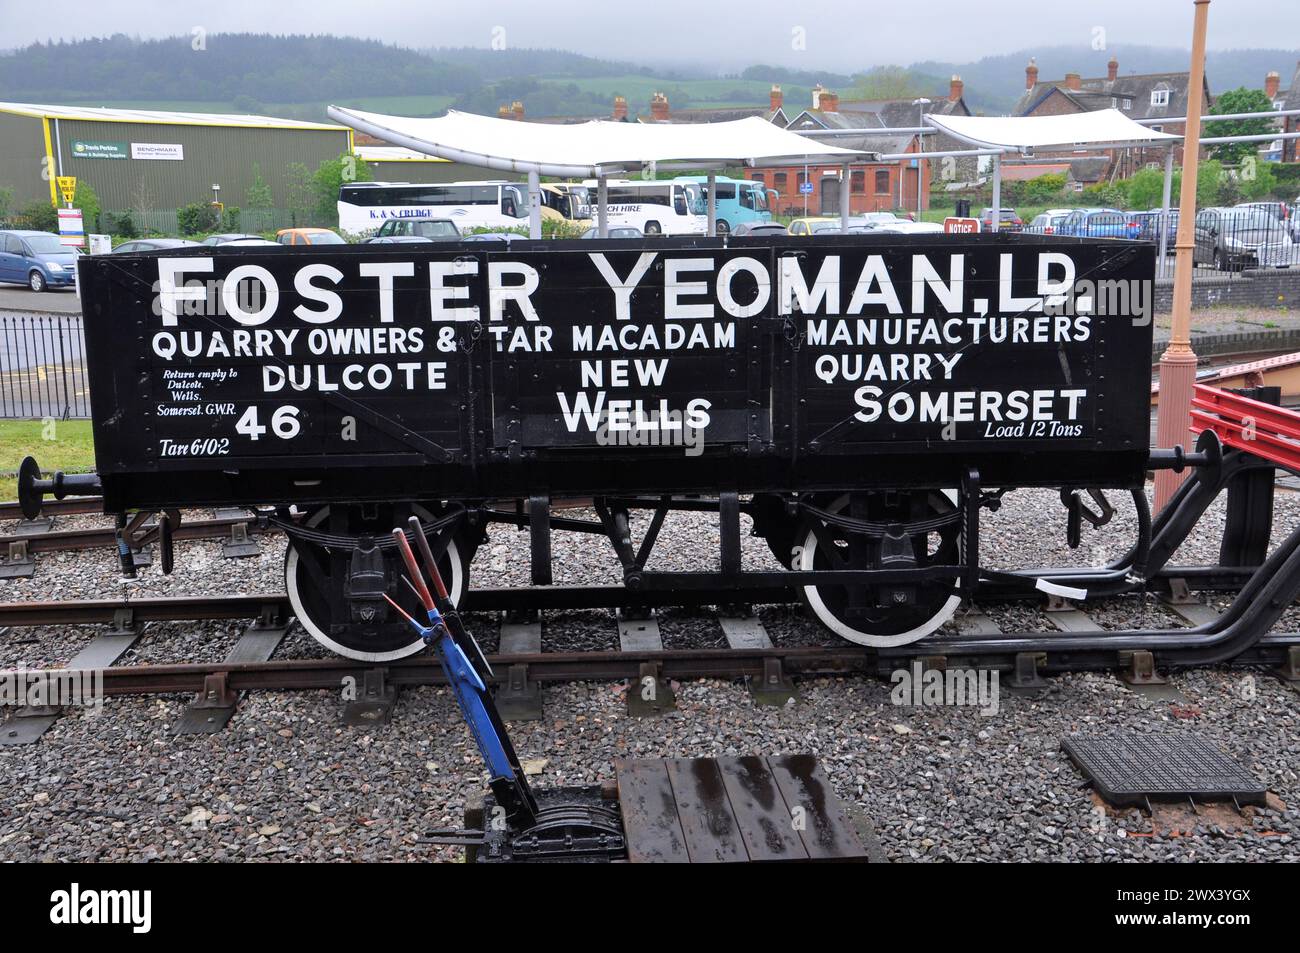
[[953, 225], [93, 149], [71, 230], [157, 150], [68, 186]]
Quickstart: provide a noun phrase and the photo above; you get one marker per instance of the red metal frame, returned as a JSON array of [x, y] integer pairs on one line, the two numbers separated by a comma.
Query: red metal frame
[[1269, 432]]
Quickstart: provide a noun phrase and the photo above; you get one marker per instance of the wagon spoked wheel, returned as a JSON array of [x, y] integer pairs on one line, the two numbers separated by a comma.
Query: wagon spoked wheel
[[869, 615], [324, 614]]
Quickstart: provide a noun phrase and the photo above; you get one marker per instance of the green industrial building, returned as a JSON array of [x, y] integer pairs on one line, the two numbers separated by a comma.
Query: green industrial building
[[152, 162]]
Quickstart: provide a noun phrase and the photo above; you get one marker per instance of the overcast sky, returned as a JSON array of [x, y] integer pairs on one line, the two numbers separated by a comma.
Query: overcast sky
[[837, 34]]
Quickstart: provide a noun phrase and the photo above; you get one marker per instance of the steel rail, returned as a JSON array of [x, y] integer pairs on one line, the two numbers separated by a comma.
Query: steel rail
[[679, 664], [106, 536]]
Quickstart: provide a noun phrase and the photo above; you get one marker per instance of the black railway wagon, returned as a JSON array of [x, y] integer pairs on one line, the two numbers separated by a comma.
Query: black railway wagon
[[851, 395]]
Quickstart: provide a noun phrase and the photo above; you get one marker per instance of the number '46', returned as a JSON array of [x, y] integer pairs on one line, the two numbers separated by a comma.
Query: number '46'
[[284, 423]]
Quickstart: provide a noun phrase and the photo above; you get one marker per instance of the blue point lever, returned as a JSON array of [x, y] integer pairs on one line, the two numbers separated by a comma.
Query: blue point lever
[[470, 691]]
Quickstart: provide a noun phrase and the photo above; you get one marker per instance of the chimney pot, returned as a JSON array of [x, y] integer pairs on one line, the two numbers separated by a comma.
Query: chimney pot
[[1272, 82], [659, 107], [830, 102], [517, 107], [620, 108], [775, 98], [1073, 81], [955, 87], [1112, 69], [1031, 74]]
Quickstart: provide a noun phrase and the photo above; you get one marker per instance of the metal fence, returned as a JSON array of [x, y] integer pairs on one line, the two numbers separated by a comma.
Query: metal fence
[[42, 366], [1229, 240]]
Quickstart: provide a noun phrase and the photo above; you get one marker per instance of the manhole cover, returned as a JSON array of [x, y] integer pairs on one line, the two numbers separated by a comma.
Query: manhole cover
[[1134, 768]]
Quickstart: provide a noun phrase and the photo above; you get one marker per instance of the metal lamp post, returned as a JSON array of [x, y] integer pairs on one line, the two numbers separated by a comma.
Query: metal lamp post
[[920, 105]]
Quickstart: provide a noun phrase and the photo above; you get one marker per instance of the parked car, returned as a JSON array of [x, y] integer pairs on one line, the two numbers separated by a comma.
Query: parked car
[[875, 220], [1099, 223], [1049, 222], [428, 229], [909, 228], [245, 242], [37, 260], [1280, 211], [309, 236], [804, 226], [1149, 227], [137, 245], [751, 229], [1008, 220], [1235, 238], [622, 232], [494, 237], [228, 237]]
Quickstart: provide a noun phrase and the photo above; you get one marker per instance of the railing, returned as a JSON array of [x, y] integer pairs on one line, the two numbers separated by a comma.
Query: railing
[[1228, 240], [42, 366]]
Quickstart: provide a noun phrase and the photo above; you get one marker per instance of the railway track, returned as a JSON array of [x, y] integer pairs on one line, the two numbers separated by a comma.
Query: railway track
[[750, 652]]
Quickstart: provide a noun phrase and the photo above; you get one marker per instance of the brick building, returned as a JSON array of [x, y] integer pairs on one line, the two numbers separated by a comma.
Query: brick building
[[873, 186], [1144, 96]]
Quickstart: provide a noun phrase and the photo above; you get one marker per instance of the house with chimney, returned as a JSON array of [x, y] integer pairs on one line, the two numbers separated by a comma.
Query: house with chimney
[[873, 186], [1138, 96], [1283, 150]]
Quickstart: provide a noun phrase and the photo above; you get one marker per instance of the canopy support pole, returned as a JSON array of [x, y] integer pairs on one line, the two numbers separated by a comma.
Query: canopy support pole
[[997, 193], [1164, 211], [844, 197], [602, 207], [713, 204], [534, 204]]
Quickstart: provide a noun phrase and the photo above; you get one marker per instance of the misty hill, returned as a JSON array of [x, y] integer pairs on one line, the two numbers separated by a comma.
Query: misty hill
[[296, 76], [1001, 78]]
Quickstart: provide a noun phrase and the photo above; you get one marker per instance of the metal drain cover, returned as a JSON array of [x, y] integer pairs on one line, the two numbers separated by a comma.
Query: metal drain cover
[[1133, 768]]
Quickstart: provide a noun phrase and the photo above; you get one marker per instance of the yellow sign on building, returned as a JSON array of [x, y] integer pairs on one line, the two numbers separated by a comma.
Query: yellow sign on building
[[68, 186]]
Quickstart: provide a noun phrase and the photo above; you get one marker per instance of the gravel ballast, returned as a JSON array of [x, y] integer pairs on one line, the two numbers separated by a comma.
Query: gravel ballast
[[287, 781]]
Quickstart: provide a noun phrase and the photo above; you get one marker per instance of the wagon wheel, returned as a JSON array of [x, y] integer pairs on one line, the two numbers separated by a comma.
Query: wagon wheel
[[309, 586], [855, 613]]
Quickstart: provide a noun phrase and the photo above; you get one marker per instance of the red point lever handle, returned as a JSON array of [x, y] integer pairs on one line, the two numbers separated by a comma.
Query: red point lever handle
[[417, 578], [427, 555]]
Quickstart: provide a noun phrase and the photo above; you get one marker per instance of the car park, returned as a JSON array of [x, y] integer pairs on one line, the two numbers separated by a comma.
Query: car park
[[1235, 238]]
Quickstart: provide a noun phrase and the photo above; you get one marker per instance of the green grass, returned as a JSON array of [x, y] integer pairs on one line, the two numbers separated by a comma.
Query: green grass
[[56, 445]]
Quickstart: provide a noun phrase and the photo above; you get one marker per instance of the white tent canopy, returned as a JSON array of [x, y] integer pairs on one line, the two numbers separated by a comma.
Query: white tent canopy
[[1105, 127], [595, 148]]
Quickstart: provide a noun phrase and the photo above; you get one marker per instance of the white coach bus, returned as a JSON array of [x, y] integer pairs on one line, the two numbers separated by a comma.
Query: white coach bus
[[656, 207], [364, 206]]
